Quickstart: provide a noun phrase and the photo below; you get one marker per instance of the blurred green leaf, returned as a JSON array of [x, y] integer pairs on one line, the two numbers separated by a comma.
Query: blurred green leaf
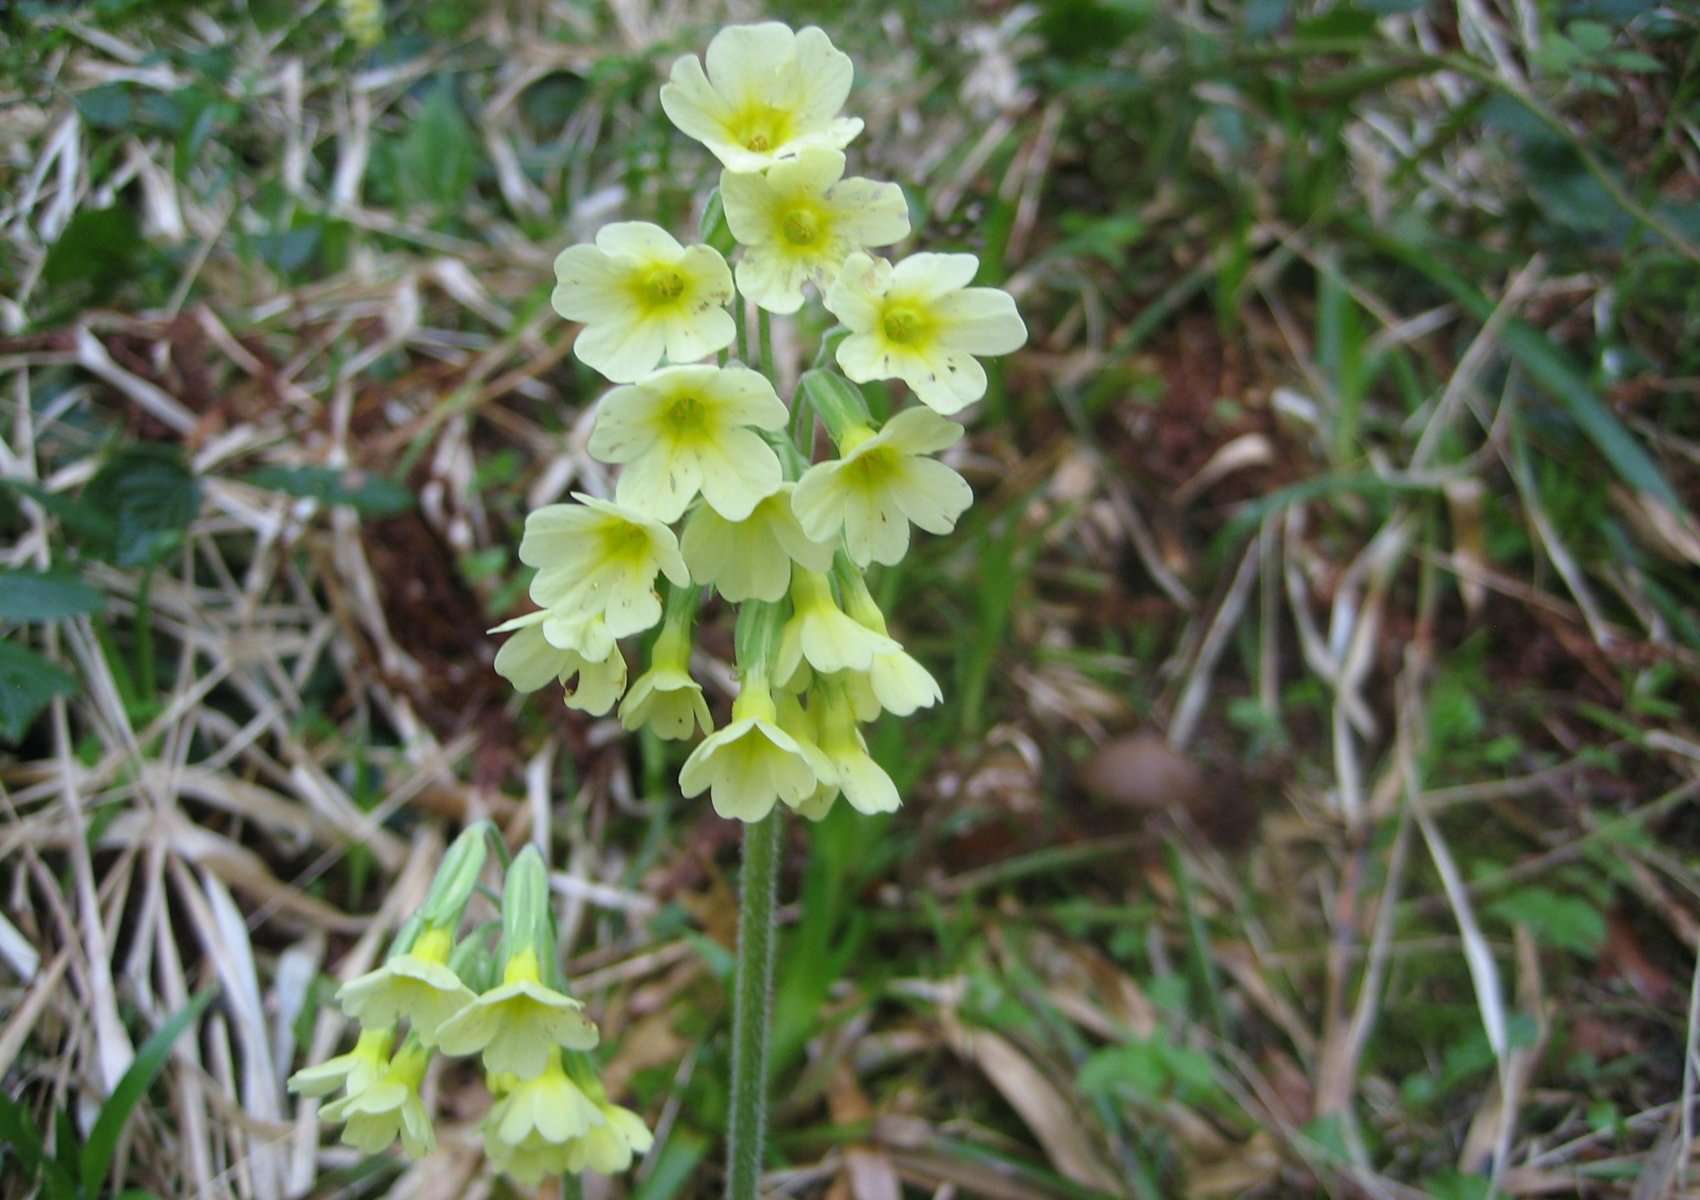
[[1136, 1066], [1152, 1069], [98, 249], [674, 1167], [28, 682], [45, 595], [1457, 1185], [438, 158], [79, 517], [1563, 922], [110, 106], [18, 1131], [152, 496], [370, 495]]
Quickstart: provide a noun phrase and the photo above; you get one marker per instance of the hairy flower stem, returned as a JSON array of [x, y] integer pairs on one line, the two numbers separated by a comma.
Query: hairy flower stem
[[764, 334], [751, 997]]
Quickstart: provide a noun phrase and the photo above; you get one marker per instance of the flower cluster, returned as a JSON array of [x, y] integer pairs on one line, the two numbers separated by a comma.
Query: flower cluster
[[439, 995], [705, 445]]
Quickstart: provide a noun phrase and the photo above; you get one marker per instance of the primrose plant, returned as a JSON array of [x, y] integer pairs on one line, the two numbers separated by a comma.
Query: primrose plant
[[716, 493]]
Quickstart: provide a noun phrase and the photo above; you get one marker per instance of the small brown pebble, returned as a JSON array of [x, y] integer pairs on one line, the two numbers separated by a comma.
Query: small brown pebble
[[1141, 771]]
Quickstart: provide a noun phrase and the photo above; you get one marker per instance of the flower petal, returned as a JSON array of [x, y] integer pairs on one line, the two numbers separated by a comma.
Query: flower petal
[[870, 213], [741, 61], [825, 73], [980, 321], [589, 286], [638, 239], [932, 275], [622, 351], [932, 495], [737, 473]]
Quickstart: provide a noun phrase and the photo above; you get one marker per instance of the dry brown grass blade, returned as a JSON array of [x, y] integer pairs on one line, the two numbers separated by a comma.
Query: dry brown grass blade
[[1040, 1103], [24, 1016]]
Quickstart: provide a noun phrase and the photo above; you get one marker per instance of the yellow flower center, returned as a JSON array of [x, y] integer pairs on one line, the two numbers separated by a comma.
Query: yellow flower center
[[754, 701], [687, 418], [873, 471], [522, 968], [904, 326], [625, 543], [663, 285], [760, 127], [433, 944], [801, 227]]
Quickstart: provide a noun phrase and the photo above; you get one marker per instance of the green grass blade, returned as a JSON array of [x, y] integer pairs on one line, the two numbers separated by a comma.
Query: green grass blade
[[115, 1113], [19, 1135], [675, 1166], [1554, 371]]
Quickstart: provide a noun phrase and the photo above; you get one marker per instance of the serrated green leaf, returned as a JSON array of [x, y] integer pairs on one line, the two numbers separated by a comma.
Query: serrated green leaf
[[45, 595], [28, 683], [149, 1061], [152, 496], [371, 495]]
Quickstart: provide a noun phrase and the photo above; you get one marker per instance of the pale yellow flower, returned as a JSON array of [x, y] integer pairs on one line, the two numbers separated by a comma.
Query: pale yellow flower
[[530, 1162], [822, 633], [894, 681], [800, 723], [388, 1106], [883, 482], [768, 94], [519, 1025], [863, 781], [595, 557], [529, 660], [610, 1146], [817, 806], [801, 220], [921, 323], [751, 559], [641, 295], [665, 697], [529, 1132], [353, 1072], [681, 430], [417, 986], [753, 763]]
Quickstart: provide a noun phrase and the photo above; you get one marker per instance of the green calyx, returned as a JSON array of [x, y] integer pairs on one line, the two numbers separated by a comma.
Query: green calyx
[[756, 639], [837, 401], [456, 878], [713, 228], [528, 924]]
